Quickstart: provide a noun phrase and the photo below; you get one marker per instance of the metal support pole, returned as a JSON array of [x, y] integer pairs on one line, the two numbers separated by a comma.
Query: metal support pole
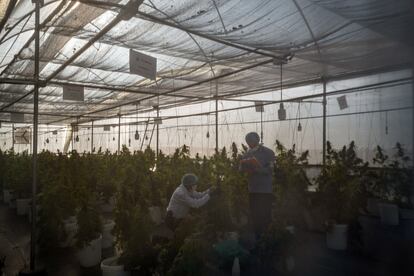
[[35, 133], [13, 137], [324, 125], [119, 133], [92, 137], [412, 129], [261, 125], [217, 136], [73, 136], [158, 132]]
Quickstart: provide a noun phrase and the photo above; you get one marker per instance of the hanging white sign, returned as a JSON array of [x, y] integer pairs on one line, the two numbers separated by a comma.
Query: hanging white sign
[[17, 117], [73, 93], [142, 65], [22, 135], [259, 106]]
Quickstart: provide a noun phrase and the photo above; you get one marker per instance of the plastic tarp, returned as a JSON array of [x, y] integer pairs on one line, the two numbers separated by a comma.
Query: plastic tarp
[[193, 42]]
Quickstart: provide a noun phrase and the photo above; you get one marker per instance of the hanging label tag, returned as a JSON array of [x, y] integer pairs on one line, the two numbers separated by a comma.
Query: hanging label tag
[[342, 102], [17, 117], [22, 136], [73, 93], [259, 106], [54, 132], [107, 128], [158, 121], [142, 65]]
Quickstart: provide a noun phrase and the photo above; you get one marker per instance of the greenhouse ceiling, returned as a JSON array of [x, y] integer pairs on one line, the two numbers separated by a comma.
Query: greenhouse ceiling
[[202, 47]]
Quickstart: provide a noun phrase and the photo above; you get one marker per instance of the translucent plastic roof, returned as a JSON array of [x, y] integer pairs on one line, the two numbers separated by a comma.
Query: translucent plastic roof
[[199, 45]]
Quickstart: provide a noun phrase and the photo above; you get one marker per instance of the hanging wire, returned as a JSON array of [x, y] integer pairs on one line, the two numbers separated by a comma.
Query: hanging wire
[[386, 123]]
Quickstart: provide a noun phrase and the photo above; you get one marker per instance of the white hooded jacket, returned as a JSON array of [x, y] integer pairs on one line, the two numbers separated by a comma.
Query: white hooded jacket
[[182, 200]]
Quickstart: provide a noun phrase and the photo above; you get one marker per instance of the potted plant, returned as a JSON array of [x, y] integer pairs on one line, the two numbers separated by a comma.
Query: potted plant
[[275, 250], [22, 182], [89, 237], [6, 173], [291, 185], [339, 191], [133, 226], [390, 184]]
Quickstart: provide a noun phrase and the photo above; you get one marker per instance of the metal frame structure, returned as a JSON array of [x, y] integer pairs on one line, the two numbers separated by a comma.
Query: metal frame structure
[[268, 57]]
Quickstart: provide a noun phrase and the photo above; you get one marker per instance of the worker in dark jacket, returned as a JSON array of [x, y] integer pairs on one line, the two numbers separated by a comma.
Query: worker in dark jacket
[[258, 162]]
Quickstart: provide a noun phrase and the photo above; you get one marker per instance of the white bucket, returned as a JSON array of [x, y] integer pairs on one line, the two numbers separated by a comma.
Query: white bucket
[[23, 206], [91, 255], [337, 237], [107, 237], [70, 226], [110, 268], [7, 195], [389, 213]]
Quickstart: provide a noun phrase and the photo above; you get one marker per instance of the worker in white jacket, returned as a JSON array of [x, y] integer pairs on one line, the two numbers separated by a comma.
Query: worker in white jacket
[[184, 198]]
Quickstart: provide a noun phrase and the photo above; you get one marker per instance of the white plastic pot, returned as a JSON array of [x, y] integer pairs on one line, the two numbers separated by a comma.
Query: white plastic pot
[[388, 213], [7, 195], [70, 226], [90, 255], [337, 237], [23, 206], [110, 267], [107, 237]]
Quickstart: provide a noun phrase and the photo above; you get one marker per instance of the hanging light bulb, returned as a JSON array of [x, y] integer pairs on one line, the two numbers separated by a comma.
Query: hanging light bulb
[[113, 138], [146, 137], [77, 138], [136, 135], [47, 140], [88, 139], [299, 125], [56, 141], [129, 142], [282, 111], [208, 134]]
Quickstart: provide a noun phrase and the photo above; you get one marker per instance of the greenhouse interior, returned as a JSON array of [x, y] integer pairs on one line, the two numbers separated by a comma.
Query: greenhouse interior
[[206, 137]]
